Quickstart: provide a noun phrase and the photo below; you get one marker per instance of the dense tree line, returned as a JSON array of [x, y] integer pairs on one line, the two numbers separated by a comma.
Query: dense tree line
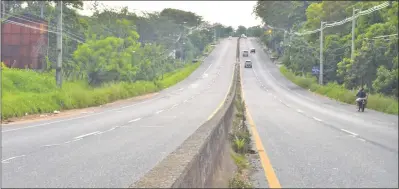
[[375, 63], [119, 45]]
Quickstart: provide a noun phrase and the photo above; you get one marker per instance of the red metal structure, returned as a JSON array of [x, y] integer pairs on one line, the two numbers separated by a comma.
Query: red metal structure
[[24, 41]]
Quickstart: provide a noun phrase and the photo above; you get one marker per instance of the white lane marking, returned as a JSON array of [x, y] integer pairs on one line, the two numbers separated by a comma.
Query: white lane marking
[[85, 135], [185, 100], [180, 89], [205, 75], [72, 140], [300, 111], [346, 131], [208, 68], [158, 111], [6, 160], [49, 145], [134, 120], [152, 126], [87, 115], [317, 119], [361, 139], [175, 105], [194, 85], [113, 128]]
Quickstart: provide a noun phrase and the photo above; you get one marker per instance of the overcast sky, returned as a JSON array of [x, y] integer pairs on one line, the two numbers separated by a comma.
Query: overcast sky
[[229, 13]]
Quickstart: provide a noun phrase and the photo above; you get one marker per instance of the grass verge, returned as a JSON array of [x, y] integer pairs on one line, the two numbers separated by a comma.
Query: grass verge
[[376, 102], [30, 92]]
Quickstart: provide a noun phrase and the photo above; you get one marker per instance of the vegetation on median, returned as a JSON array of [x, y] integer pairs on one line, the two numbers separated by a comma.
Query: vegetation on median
[[240, 140], [377, 102]]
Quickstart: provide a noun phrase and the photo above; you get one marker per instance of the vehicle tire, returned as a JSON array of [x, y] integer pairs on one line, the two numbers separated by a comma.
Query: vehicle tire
[[363, 107]]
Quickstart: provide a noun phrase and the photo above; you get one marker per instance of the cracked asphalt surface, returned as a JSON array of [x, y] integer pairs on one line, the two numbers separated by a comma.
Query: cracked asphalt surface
[[313, 141], [115, 146]]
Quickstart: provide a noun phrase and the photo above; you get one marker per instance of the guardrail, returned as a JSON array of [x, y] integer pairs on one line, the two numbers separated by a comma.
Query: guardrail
[[195, 162]]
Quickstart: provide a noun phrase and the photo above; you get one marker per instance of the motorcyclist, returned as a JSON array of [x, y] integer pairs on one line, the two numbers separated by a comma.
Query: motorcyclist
[[360, 95]]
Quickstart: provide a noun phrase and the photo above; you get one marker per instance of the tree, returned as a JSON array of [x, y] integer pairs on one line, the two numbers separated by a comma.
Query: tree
[[241, 30], [375, 61]]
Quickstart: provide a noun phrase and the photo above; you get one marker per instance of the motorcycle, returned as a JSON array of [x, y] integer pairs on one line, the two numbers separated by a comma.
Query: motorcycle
[[361, 103]]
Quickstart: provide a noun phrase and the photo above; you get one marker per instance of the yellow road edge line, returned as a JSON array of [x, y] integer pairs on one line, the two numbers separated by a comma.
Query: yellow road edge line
[[265, 161]]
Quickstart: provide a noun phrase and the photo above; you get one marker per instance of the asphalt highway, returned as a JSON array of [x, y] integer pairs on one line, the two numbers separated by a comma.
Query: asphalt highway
[[115, 146], [313, 141]]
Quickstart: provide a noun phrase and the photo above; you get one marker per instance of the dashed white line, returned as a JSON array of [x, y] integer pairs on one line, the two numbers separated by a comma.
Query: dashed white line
[[300, 111], [49, 145], [85, 135], [361, 139], [175, 105], [134, 120], [158, 111], [346, 131], [185, 100], [113, 128], [6, 160], [317, 119]]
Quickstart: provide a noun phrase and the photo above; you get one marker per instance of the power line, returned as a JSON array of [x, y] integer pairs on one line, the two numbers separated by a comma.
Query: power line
[[338, 23]]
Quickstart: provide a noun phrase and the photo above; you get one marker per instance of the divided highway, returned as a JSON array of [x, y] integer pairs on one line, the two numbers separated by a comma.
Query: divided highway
[[312, 141], [115, 146]]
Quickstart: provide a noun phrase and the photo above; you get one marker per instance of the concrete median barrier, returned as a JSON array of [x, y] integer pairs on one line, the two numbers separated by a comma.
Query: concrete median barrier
[[201, 157]]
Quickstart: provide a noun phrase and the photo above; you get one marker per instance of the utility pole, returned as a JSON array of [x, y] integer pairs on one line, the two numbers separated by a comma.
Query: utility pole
[[353, 34], [58, 69], [3, 9], [321, 53], [215, 34]]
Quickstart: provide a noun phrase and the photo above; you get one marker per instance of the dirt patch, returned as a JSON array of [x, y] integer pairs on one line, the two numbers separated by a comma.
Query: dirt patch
[[73, 112]]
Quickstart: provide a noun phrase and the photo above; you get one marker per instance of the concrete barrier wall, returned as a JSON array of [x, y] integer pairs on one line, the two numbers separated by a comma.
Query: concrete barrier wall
[[195, 162]]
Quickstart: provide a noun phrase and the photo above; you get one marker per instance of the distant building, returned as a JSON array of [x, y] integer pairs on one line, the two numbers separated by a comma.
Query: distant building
[[24, 41]]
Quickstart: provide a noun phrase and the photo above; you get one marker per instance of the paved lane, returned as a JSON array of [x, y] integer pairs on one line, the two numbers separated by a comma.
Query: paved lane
[[116, 146], [314, 141]]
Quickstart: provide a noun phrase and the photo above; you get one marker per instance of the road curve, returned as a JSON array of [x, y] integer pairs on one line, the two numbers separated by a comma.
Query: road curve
[[115, 146], [313, 141]]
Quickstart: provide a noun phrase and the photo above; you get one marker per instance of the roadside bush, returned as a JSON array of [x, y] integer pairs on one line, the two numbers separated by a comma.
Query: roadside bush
[[27, 91], [377, 102]]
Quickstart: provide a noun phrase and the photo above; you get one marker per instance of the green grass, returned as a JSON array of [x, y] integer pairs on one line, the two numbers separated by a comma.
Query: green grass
[[335, 91], [27, 91]]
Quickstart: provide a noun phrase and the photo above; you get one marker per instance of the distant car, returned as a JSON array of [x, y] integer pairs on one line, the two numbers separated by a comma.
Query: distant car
[[245, 53], [253, 50], [248, 64]]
